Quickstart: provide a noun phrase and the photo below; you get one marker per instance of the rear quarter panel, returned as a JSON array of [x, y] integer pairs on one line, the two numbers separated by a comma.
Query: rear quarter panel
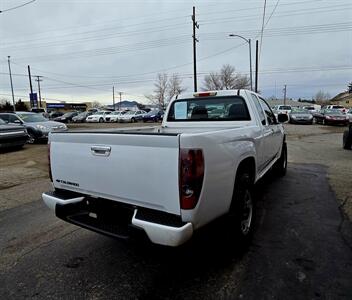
[[223, 151]]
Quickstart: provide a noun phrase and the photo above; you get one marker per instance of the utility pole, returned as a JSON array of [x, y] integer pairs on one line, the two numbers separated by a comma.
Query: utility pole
[[256, 66], [31, 87], [13, 96], [195, 26], [285, 90], [40, 96], [113, 96], [250, 63], [120, 93]]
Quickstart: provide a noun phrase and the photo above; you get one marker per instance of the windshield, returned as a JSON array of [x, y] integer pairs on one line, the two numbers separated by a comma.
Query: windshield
[[152, 113], [83, 114], [285, 107], [130, 113], [32, 118], [227, 108], [69, 114], [299, 111], [333, 112]]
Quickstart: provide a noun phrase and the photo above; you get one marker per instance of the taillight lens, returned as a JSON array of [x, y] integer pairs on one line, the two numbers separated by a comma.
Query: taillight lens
[[49, 163], [191, 177]]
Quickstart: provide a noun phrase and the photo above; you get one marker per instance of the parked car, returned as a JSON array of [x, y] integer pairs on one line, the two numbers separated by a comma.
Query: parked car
[[81, 117], [173, 179], [300, 116], [283, 109], [347, 138], [98, 116], [349, 114], [12, 136], [132, 116], [331, 116], [336, 107], [153, 116], [55, 114], [67, 117], [114, 116], [37, 126], [312, 108]]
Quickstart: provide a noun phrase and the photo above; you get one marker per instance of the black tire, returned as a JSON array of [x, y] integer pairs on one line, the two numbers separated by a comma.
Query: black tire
[[280, 167], [101, 120], [323, 122], [31, 139], [347, 140], [133, 120], [242, 210]]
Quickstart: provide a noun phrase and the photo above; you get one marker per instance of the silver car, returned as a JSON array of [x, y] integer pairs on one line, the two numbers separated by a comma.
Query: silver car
[[37, 126]]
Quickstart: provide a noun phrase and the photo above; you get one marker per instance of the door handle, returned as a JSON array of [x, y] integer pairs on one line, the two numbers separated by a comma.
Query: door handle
[[100, 150]]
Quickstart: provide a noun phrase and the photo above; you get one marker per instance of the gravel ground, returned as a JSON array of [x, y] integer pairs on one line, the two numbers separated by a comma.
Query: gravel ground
[[24, 173]]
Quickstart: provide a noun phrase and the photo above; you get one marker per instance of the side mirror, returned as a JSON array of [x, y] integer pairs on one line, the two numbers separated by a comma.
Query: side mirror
[[17, 122], [282, 118]]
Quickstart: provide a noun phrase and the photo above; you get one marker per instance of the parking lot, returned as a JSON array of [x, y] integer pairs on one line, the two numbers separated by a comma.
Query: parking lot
[[302, 244]]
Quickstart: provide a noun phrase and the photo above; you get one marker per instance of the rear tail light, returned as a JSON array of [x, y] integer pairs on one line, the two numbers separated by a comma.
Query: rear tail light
[[191, 177], [204, 94], [49, 163]]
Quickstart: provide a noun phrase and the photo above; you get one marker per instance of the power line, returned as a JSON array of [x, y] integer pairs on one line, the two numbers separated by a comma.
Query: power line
[[18, 6]]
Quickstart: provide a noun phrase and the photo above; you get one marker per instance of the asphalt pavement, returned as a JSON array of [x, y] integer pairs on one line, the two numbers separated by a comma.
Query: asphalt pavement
[[301, 250]]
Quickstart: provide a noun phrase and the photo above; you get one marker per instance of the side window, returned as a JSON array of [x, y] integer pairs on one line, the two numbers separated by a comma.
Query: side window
[[12, 118], [269, 114], [259, 109], [5, 117]]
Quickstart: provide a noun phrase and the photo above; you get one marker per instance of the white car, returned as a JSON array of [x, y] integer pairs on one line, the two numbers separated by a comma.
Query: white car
[[312, 108], [283, 109], [171, 179], [114, 116], [98, 117], [349, 114], [337, 107], [132, 116]]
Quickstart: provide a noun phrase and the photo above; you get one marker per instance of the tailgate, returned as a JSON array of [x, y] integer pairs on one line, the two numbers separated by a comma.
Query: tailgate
[[137, 169]]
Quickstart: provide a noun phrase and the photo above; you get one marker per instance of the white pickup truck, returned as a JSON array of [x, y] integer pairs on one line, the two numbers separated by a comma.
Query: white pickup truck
[[168, 181]]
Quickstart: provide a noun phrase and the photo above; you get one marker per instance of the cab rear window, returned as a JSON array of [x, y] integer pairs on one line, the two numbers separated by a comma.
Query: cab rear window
[[226, 108]]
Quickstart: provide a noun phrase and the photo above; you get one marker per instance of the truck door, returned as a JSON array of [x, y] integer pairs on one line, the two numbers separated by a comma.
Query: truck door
[[272, 133], [261, 146]]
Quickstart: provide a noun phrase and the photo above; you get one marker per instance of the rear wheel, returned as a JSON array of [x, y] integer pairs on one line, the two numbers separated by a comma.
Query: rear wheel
[[241, 215], [133, 120], [347, 140], [280, 167], [31, 139], [101, 120]]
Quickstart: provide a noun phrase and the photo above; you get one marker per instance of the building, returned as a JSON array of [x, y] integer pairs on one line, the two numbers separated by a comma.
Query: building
[[63, 106], [272, 103], [344, 99]]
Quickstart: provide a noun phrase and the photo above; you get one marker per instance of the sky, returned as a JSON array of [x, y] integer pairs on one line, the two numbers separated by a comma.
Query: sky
[[82, 48]]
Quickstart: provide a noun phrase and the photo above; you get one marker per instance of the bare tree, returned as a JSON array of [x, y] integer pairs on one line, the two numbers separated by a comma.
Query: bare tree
[[96, 104], [212, 82], [174, 87], [321, 97], [165, 89], [227, 79]]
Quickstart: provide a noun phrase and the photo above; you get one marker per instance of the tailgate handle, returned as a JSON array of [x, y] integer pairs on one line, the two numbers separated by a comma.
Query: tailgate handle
[[101, 150]]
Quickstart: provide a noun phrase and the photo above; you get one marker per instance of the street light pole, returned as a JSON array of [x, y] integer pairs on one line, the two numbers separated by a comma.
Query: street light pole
[[250, 56]]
